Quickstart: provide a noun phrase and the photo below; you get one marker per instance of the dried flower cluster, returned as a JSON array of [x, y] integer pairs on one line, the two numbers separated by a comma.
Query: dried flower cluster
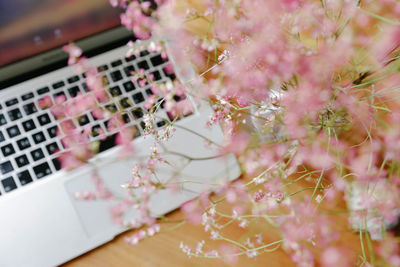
[[307, 93]]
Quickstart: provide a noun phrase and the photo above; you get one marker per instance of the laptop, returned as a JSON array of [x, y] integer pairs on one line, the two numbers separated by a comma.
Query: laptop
[[42, 222]]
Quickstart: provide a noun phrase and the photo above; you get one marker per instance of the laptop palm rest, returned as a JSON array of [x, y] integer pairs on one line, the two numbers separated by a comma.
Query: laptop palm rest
[[95, 215]]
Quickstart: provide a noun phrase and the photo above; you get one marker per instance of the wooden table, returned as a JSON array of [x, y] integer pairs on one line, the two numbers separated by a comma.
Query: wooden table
[[163, 250]]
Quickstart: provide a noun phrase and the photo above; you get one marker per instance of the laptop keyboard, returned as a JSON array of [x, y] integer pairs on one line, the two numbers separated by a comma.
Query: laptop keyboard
[[29, 144]]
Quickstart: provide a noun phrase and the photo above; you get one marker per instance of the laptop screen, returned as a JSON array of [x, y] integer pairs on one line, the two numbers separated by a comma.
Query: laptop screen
[[30, 27]]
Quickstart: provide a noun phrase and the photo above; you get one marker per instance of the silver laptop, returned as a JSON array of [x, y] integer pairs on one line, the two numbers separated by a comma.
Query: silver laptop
[[41, 221]]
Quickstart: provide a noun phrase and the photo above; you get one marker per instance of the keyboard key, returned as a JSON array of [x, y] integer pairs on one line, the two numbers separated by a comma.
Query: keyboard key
[[144, 53], [116, 76], [73, 79], [67, 126], [125, 118], [161, 102], [11, 102], [57, 164], [37, 154], [52, 148], [115, 91], [27, 96], [156, 75], [143, 65], [1, 137], [83, 120], [22, 161], [52, 131], [136, 131], [149, 92], [9, 184], [116, 63], [112, 108], [95, 130], [38, 137], [42, 170], [157, 60], [73, 91], [85, 87], [23, 143], [6, 167], [58, 84], [142, 83], [106, 124], [161, 123], [15, 114], [131, 58], [125, 102], [59, 95], [129, 86], [102, 68], [24, 177], [169, 75], [44, 119], [94, 116], [137, 113], [7, 150], [143, 125], [129, 70], [43, 90], [105, 80], [178, 98], [2, 120], [28, 125], [107, 143], [13, 131], [138, 98], [30, 108]]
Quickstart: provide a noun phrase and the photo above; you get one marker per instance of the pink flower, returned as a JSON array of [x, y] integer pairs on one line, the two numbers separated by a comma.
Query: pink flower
[[45, 102], [74, 53], [291, 5], [229, 254], [114, 3], [192, 211]]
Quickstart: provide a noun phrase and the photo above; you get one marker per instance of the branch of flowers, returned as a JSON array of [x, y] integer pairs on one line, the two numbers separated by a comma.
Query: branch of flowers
[[370, 249], [264, 247], [226, 224], [301, 177], [318, 184], [378, 17], [199, 135], [364, 256], [253, 216], [392, 99], [252, 115], [304, 189], [183, 222], [371, 156], [205, 72], [243, 247], [341, 29], [191, 182], [191, 158], [272, 142], [261, 174]]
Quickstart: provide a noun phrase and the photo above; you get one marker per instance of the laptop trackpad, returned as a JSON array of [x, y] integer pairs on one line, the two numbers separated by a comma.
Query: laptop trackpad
[[95, 215]]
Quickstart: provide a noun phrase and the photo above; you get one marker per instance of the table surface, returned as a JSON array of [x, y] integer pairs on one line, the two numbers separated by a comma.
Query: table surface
[[163, 248]]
